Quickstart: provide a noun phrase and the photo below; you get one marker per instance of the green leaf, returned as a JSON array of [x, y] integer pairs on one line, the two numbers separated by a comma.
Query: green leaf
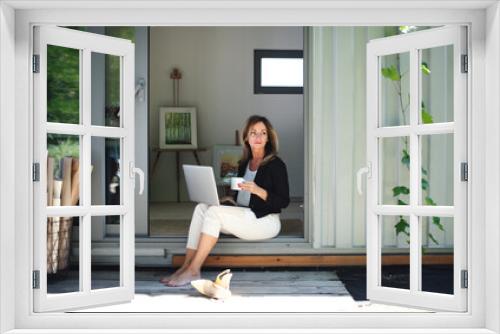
[[404, 29], [400, 202], [425, 184], [407, 29], [437, 222], [426, 117], [424, 171], [425, 68], [402, 226], [396, 191], [429, 201], [433, 239], [391, 73], [405, 159]]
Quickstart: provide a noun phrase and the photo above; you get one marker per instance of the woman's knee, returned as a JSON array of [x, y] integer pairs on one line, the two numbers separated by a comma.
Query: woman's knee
[[211, 227], [201, 208], [213, 212]]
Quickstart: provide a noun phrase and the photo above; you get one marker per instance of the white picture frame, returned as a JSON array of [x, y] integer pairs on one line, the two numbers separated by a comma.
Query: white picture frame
[[182, 135]]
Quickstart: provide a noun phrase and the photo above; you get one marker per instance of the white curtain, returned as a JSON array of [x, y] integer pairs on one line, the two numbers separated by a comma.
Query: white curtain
[[337, 118]]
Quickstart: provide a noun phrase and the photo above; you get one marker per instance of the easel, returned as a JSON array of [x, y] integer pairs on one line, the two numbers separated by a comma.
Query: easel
[[177, 151], [176, 75]]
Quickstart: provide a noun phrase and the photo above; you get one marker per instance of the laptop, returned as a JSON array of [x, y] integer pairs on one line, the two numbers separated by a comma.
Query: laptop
[[201, 185]]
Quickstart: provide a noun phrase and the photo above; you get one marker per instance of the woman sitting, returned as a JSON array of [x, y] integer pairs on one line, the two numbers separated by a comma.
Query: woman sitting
[[259, 202]]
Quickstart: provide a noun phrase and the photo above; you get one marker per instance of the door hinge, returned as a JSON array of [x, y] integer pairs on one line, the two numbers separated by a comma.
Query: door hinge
[[36, 63], [465, 64], [36, 279], [464, 171], [36, 172], [465, 279]]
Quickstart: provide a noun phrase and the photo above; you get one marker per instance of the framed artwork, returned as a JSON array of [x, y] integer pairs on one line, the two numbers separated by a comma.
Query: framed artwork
[[178, 127], [225, 162]]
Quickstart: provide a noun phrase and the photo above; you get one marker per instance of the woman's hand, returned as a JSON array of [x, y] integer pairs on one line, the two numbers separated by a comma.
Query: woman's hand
[[227, 199], [253, 188]]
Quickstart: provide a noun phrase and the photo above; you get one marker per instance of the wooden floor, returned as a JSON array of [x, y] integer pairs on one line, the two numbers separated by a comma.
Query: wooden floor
[[275, 290], [265, 282]]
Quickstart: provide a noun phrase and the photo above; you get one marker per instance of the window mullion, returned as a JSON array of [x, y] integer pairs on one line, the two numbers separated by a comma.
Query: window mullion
[[85, 108], [414, 171]]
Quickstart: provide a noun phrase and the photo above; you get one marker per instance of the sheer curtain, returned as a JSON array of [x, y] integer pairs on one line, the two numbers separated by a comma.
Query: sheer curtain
[[336, 58]]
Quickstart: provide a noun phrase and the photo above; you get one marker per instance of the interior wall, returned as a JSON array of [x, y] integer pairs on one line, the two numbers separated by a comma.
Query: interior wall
[[141, 129], [97, 152], [217, 78]]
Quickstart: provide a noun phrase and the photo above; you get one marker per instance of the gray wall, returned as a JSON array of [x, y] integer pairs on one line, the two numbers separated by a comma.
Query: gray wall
[[141, 129], [217, 68], [98, 90]]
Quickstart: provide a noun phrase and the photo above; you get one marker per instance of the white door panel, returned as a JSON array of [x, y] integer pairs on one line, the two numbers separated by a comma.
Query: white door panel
[[77, 142], [416, 144]]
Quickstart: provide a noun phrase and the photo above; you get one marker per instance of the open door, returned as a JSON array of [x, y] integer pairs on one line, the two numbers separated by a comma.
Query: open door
[[83, 165], [417, 152]]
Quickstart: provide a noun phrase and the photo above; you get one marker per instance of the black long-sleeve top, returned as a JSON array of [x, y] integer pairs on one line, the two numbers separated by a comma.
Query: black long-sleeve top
[[272, 177]]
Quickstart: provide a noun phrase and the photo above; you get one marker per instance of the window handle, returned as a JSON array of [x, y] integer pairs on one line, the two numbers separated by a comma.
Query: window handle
[[136, 170], [363, 170]]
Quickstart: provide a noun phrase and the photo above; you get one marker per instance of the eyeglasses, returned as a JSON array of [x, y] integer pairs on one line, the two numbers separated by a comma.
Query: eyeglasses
[[254, 134]]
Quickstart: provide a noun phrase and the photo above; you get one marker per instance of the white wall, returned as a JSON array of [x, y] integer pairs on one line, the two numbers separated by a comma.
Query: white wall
[[490, 136], [217, 68], [7, 167]]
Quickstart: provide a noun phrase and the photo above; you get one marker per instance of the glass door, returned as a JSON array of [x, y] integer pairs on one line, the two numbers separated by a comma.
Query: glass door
[[84, 166], [417, 150]]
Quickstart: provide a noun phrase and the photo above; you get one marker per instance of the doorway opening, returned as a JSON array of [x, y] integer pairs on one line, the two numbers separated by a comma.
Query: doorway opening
[[211, 61]]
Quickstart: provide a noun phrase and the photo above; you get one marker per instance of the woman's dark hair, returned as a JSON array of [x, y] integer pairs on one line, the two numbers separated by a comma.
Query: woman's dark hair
[[271, 148]]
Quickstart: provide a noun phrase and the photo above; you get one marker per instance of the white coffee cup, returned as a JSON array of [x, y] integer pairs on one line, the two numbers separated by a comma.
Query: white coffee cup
[[235, 181]]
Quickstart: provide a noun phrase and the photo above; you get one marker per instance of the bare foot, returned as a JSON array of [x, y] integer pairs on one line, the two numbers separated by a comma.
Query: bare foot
[[166, 279], [184, 278]]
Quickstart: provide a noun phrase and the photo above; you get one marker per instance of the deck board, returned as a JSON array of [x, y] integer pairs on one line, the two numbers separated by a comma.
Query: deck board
[[284, 290], [243, 282]]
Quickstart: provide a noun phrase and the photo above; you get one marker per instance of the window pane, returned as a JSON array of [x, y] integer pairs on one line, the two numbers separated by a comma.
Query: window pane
[[394, 170], [63, 265], [106, 171], [436, 73], [107, 276], [63, 175], [437, 169], [282, 72], [394, 89], [106, 89], [395, 251], [437, 243], [63, 85]]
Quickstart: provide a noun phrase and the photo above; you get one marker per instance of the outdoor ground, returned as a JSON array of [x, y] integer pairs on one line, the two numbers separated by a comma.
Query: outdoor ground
[[340, 289]]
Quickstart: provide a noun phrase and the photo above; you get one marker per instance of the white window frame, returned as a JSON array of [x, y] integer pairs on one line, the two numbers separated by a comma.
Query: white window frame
[[86, 44], [413, 44], [17, 17]]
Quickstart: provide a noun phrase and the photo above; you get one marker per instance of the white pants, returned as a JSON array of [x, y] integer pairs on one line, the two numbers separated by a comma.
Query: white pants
[[238, 221]]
